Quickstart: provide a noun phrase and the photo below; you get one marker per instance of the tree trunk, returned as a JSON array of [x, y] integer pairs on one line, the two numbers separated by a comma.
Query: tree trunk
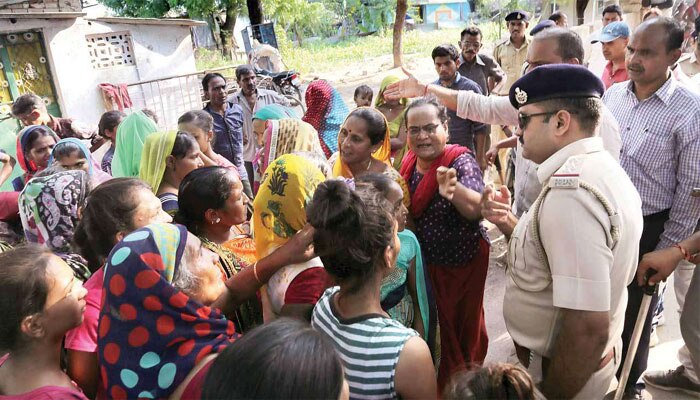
[[401, 8], [228, 41], [581, 10], [255, 11], [295, 29]]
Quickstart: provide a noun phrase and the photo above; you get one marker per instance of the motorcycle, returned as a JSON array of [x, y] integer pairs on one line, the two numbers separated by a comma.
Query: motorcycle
[[286, 83]]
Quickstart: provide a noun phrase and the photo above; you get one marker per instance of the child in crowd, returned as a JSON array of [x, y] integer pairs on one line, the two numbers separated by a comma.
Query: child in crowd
[[498, 381], [363, 96], [107, 129]]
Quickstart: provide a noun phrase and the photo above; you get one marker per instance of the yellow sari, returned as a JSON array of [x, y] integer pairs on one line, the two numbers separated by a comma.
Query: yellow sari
[[396, 123], [280, 212]]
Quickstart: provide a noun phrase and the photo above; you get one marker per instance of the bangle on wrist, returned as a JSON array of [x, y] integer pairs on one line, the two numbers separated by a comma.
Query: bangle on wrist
[[255, 273], [684, 252]]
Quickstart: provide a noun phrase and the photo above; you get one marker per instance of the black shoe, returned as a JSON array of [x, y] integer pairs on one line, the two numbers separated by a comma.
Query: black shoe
[[672, 380]]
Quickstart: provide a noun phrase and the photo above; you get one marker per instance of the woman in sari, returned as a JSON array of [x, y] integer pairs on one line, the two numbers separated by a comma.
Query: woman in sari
[[279, 213], [364, 146], [167, 158], [393, 110], [281, 137], [325, 111], [271, 112], [448, 227], [113, 210], [49, 211], [72, 154], [157, 323], [34, 145], [131, 136]]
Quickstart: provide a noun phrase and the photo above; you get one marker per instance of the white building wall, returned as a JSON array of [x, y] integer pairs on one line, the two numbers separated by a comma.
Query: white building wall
[[159, 50]]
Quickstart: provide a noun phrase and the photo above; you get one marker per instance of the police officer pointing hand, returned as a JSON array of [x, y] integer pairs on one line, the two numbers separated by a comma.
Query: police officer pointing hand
[[572, 255]]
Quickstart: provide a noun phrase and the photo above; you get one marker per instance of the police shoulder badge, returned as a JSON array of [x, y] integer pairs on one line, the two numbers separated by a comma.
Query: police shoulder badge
[[520, 96]]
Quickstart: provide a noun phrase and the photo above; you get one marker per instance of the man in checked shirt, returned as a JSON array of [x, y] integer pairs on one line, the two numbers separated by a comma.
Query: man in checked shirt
[[660, 129]]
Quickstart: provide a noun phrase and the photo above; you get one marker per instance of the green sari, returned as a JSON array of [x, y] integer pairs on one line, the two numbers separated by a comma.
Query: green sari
[[131, 136]]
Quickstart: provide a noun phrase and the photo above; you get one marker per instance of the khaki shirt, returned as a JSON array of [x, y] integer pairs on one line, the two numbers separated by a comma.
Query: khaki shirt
[[511, 61], [587, 270], [689, 65]]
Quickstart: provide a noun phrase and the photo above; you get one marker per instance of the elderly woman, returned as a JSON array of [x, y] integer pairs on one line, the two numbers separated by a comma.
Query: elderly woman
[[325, 112], [364, 146], [72, 154], [393, 110], [445, 205], [167, 158], [162, 319]]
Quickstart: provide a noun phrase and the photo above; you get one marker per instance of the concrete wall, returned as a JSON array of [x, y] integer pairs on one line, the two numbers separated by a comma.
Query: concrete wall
[[159, 51]]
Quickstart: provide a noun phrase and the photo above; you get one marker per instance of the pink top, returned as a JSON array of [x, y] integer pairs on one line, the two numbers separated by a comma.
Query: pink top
[[84, 337], [223, 162], [611, 77], [45, 392]]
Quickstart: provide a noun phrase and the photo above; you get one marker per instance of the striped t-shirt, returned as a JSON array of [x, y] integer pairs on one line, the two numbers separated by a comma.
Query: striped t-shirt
[[369, 346]]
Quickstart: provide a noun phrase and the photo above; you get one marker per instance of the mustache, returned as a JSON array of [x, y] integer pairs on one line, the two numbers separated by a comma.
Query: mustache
[[635, 67]]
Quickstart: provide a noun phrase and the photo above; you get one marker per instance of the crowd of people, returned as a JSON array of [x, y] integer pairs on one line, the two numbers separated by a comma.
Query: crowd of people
[[256, 253]]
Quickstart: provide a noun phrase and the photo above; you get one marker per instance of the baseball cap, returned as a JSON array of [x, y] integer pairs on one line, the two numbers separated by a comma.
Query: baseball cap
[[612, 31]]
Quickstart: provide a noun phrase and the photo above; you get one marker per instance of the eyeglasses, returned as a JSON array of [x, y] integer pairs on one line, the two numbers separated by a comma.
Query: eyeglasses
[[467, 45], [430, 129], [524, 119]]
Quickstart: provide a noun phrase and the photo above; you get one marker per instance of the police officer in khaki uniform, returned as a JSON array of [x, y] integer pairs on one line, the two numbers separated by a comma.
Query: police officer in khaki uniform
[[572, 255], [511, 53]]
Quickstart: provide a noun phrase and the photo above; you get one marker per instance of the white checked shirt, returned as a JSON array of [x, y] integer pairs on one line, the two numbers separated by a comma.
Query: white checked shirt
[[661, 152]]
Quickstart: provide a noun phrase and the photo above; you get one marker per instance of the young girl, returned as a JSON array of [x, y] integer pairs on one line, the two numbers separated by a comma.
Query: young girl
[[167, 158], [404, 291], [40, 300], [72, 154], [356, 239], [200, 125], [107, 128]]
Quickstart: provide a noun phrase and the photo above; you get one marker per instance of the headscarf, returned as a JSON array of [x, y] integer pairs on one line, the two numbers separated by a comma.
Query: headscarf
[[284, 137], [383, 153], [388, 80], [279, 212], [28, 166], [274, 112], [131, 135], [155, 151], [151, 335], [326, 112], [428, 186], [94, 170], [48, 208]]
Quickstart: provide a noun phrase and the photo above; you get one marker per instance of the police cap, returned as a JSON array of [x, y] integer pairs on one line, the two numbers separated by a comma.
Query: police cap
[[518, 15], [555, 81]]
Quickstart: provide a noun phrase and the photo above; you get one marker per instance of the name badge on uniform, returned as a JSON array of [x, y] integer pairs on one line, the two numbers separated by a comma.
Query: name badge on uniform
[[564, 181]]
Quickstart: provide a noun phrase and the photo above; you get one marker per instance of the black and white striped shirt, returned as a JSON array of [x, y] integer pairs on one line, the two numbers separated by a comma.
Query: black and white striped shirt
[[369, 346]]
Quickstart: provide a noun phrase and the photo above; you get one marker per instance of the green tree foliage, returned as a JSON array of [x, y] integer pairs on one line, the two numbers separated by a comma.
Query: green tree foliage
[[300, 17]]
